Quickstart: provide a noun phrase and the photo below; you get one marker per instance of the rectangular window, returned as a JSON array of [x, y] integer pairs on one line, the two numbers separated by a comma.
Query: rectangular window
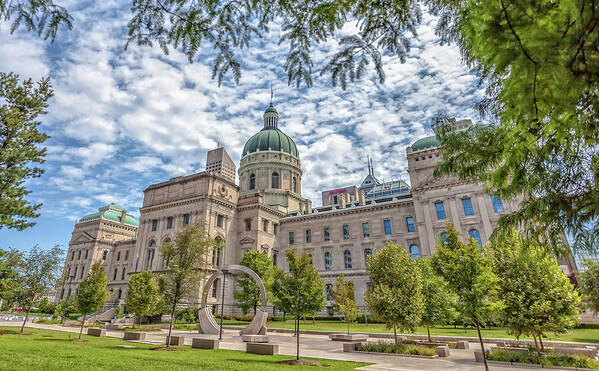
[[219, 221], [215, 288], [169, 222], [346, 232], [327, 260], [75, 275], [291, 238], [365, 230], [86, 252], [387, 224], [440, 208], [335, 200], [467, 204], [248, 225], [154, 224], [185, 219], [265, 225], [326, 234], [308, 236], [72, 255], [126, 255], [118, 256], [275, 229], [123, 273], [82, 271], [410, 224], [497, 204], [79, 255], [114, 275]]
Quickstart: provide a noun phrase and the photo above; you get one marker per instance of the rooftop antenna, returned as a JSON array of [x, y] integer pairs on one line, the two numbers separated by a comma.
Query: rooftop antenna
[[272, 93]]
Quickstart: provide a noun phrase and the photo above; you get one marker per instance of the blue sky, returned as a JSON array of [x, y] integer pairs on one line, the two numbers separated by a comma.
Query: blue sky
[[122, 120]]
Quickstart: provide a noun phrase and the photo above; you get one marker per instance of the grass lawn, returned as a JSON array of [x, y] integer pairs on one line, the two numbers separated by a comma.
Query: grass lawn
[[576, 335], [51, 350]]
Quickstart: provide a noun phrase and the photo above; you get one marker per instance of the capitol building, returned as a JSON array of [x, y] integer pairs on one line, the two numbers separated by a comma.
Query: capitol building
[[265, 211]]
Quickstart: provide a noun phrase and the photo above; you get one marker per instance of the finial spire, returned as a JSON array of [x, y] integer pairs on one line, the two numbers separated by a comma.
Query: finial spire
[[271, 94]]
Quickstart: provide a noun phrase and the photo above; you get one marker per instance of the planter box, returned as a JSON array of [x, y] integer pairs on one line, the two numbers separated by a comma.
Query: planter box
[[176, 340], [203, 343], [463, 345], [134, 335], [96, 331], [590, 352], [349, 347], [262, 348], [346, 337], [443, 351], [255, 339]]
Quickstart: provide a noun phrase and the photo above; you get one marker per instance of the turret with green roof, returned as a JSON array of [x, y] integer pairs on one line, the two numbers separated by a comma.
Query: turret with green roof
[[112, 212]]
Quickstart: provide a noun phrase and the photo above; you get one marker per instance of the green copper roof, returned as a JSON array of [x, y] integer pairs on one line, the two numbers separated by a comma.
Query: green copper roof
[[271, 139], [111, 212], [428, 142], [271, 108]]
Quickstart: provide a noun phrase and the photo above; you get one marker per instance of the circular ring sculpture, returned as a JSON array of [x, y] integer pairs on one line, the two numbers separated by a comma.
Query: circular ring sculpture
[[207, 323]]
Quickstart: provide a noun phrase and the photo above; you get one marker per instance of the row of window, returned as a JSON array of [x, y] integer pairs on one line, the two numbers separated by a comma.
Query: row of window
[[265, 224], [467, 206], [473, 233], [78, 254], [169, 222], [216, 256], [326, 233], [347, 257], [123, 273], [275, 182]]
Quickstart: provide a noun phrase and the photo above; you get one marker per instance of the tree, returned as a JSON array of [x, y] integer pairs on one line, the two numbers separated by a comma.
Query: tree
[[589, 286], [66, 307], [345, 301], [41, 17], [92, 293], [438, 298], [469, 274], [22, 103], [186, 265], [299, 292], [143, 295], [248, 296], [37, 276], [395, 291], [536, 296], [10, 260]]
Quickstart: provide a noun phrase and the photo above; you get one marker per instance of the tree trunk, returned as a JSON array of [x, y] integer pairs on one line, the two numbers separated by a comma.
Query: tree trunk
[[534, 336], [482, 346], [428, 331], [542, 346], [25, 321], [82, 323], [170, 327], [297, 339], [395, 334], [347, 327]]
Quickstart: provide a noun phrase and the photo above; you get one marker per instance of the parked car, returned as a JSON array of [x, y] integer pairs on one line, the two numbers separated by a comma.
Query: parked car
[[17, 309]]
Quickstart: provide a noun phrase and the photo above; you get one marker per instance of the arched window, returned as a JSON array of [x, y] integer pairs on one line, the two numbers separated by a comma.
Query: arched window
[[120, 294], [347, 259], [252, 181], [415, 251], [150, 255], [294, 185], [115, 273], [123, 272], [274, 259], [327, 260], [329, 291], [367, 253], [444, 237], [476, 237], [104, 254], [275, 180], [216, 253]]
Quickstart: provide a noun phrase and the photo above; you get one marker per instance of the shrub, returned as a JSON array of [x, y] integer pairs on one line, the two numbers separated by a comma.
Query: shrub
[[589, 325], [187, 315], [49, 321], [548, 358], [399, 348]]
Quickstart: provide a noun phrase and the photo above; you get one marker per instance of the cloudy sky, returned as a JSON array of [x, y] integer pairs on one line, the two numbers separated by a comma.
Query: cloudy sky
[[122, 120]]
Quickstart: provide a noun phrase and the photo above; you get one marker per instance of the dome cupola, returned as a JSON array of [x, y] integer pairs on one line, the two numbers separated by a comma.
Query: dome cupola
[[270, 138], [271, 117]]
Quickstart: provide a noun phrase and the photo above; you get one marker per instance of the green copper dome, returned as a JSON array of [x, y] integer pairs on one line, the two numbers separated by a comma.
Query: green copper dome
[[273, 139], [111, 212], [427, 142]]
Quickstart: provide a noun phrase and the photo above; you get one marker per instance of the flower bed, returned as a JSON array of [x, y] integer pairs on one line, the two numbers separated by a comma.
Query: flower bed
[[399, 348], [548, 358]]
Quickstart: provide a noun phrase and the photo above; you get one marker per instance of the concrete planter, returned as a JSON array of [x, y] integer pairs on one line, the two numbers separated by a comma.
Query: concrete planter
[[351, 348], [350, 337], [176, 340], [443, 351], [262, 348], [255, 339], [203, 343], [463, 345], [132, 335], [96, 331]]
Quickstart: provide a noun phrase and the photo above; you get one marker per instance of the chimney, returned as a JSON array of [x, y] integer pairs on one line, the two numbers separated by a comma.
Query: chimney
[[309, 207], [361, 198], [342, 201], [123, 215]]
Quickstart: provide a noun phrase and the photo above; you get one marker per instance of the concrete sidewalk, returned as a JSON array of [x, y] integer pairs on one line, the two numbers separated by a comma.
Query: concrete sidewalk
[[318, 346]]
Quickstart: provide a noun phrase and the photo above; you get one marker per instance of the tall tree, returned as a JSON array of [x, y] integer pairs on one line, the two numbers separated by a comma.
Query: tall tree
[[439, 300], [536, 296], [42, 17], [10, 261], [37, 276], [248, 296], [143, 295], [589, 286], [299, 292], [469, 274], [22, 103], [92, 292], [186, 265], [395, 290], [343, 294]]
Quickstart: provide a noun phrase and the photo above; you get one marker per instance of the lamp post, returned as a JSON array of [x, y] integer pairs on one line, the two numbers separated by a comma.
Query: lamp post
[[222, 304]]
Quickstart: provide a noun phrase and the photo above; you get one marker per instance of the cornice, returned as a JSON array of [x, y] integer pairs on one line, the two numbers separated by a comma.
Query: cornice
[[188, 201]]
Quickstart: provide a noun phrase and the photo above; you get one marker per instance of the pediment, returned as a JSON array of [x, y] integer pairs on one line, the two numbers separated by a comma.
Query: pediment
[[82, 238], [247, 240], [433, 182]]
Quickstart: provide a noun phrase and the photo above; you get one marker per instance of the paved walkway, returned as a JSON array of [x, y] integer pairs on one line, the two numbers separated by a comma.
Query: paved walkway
[[319, 346]]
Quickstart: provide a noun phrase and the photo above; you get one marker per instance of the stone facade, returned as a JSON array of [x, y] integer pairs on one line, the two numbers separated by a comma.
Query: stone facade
[[267, 212]]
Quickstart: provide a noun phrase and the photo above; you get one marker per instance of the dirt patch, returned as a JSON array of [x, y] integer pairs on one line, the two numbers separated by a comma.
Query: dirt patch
[[79, 341], [47, 336], [303, 362], [170, 349]]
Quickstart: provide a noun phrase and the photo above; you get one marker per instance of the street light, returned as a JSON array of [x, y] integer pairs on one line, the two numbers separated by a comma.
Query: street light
[[222, 304]]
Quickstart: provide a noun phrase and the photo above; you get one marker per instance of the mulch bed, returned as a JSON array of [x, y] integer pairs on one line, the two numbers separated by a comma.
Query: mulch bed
[[170, 349], [303, 362], [47, 336]]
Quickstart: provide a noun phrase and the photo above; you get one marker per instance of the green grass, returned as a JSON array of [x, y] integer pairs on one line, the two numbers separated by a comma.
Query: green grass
[[54, 352], [575, 335]]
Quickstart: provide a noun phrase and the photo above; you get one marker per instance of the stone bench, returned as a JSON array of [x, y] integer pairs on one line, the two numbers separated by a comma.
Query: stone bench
[[348, 337], [443, 351], [96, 331], [134, 335], [262, 348], [463, 345], [176, 340], [255, 339], [204, 343], [590, 352], [349, 347]]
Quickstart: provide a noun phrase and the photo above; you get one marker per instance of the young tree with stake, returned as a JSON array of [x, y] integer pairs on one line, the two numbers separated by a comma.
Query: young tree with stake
[[92, 293], [143, 295], [345, 301], [248, 297], [438, 298]]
